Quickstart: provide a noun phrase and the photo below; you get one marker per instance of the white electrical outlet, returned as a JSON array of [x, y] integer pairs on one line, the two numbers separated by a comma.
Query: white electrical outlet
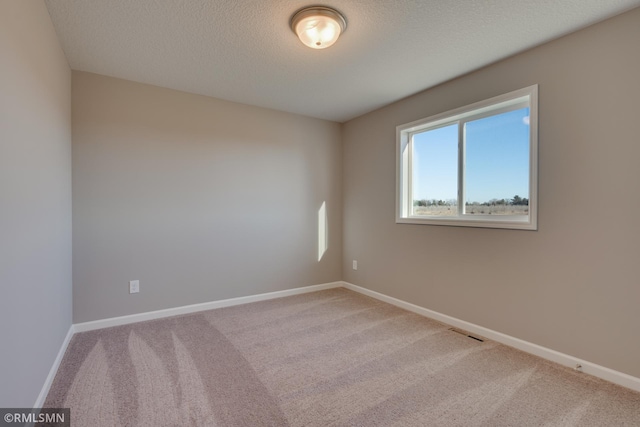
[[355, 264], [134, 286]]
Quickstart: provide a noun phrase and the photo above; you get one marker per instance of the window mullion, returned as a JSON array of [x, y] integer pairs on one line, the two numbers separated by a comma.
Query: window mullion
[[461, 162], [409, 206]]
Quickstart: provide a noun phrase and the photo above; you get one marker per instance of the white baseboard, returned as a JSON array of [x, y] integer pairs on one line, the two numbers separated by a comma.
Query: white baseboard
[[158, 314], [610, 375], [54, 369]]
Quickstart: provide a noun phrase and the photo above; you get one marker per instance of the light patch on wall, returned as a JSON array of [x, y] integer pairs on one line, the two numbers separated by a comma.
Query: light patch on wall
[[323, 231]]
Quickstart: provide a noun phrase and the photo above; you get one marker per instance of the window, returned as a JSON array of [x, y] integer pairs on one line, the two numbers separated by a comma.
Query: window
[[475, 166]]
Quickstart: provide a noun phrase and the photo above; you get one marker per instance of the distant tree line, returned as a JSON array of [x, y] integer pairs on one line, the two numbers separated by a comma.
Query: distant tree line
[[435, 202], [516, 201]]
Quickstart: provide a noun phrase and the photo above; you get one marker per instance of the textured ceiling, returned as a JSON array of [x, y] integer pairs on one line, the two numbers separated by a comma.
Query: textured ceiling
[[244, 50]]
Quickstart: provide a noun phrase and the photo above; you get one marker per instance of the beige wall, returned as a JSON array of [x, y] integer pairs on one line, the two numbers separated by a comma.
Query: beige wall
[[35, 200], [200, 199], [573, 285]]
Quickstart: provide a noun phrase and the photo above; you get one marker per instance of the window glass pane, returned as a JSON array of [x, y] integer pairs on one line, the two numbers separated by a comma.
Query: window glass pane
[[435, 171], [496, 176]]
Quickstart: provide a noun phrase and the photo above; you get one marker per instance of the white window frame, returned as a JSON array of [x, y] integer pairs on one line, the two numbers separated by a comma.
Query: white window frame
[[502, 103]]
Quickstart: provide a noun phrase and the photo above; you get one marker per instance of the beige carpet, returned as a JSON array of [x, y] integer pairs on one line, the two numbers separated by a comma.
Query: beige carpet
[[329, 358]]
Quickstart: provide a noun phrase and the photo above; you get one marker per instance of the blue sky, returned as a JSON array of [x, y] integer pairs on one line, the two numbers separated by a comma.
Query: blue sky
[[497, 159]]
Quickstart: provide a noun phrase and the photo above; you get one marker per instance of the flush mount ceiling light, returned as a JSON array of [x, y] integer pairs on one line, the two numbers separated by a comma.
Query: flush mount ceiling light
[[317, 26]]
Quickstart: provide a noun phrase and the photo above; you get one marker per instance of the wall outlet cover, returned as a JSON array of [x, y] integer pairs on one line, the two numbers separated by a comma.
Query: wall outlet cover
[[134, 286]]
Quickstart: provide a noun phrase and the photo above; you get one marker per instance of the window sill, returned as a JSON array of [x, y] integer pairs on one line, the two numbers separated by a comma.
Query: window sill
[[479, 221]]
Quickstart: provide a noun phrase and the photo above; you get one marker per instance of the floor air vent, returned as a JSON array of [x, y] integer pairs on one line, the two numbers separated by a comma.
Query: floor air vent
[[466, 334]]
